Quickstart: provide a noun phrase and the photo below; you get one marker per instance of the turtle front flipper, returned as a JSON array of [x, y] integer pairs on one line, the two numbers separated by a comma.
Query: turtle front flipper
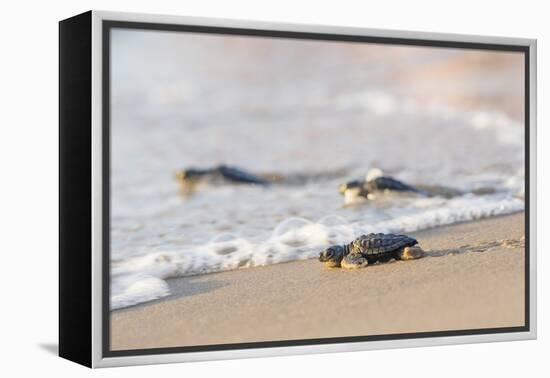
[[354, 261], [410, 253]]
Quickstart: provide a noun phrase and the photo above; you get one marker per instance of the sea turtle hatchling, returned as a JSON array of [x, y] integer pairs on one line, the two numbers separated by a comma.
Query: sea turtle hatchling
[[375, 183], [192, 178], [371, 248]]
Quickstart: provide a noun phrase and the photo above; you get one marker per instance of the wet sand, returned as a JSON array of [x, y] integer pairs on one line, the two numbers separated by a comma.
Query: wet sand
[[472, 277]]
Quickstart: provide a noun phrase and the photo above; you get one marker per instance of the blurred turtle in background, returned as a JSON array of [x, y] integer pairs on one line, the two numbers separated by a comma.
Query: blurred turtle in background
[[190, 179], [374, 183]]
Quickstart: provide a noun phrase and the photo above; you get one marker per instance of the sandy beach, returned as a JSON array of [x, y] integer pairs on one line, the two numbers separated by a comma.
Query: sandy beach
[[472, 277]]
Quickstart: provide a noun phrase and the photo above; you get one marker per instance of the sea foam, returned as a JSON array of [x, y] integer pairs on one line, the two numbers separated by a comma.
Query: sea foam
[[140, 279]]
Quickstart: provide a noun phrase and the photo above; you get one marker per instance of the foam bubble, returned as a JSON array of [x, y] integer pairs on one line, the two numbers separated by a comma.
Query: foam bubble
[[333, 220], [290, 225]]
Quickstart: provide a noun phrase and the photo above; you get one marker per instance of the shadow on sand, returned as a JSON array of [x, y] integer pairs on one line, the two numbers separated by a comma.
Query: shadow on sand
[[189, 286]]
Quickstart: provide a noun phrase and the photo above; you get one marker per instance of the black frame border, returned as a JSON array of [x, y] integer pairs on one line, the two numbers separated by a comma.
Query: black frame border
[[75, 189], [108, 25]]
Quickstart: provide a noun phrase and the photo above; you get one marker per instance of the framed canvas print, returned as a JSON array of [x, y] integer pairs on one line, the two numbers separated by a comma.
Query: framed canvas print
[[234, 189]]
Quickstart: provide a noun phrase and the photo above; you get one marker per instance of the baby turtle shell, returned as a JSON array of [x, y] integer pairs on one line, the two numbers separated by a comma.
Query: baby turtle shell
[[377, 244], [389, 183]]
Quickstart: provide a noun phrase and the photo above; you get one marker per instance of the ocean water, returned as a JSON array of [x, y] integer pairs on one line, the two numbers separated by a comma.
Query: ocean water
[[425, 116]]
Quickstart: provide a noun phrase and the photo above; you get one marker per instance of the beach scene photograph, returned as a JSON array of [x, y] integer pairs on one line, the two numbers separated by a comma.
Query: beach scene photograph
[[268, 189]]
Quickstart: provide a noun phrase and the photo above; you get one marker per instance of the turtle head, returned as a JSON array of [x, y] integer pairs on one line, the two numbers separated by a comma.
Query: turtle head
[[354, 192], [332, 256], [350, 186], [190, 175], [189, 179]]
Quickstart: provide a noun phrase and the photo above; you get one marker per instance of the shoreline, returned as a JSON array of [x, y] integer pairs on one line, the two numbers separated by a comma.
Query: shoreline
[[472, 277]]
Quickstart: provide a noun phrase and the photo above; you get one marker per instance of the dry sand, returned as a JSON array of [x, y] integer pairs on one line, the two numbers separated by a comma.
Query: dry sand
[[473, 277]]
